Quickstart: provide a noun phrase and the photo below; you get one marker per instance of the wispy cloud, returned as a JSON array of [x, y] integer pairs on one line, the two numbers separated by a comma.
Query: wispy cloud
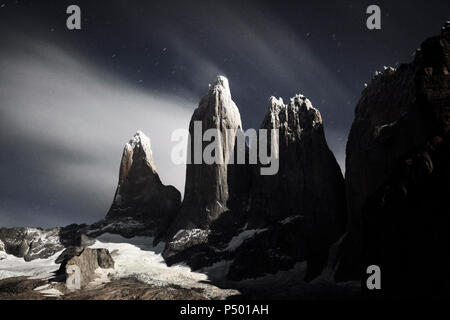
[[63, 126], [262, 53]]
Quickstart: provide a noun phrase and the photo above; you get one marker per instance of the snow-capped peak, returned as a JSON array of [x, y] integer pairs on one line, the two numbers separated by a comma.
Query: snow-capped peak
[[139, 143], [140, 140], [221, 83], [275, 103]]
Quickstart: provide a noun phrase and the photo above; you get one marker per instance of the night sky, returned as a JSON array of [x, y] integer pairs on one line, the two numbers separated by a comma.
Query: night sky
[[70, 100]]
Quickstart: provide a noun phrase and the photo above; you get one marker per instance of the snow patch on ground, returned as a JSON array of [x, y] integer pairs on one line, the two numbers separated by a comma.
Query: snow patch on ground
[[237, 241], [51, 293], [290, 219], [137, 257], [12, 266], [42, 287]]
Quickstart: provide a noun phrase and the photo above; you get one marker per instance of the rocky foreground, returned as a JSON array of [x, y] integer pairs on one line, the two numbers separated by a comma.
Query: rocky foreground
[[23, 288]]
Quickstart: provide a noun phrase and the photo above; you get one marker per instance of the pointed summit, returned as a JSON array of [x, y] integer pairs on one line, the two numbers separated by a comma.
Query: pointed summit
[[297, 115], [206, 191], [140, 140], [138, 148], [217, 109], [221, 84], [140, 194]]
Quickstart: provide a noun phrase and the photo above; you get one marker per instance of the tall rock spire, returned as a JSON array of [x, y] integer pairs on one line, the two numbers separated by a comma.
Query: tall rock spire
[[140, 194], [306, 195], [308, 169], [206, 190]]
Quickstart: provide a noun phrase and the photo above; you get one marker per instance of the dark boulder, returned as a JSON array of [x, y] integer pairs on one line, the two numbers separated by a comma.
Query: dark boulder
[[87, 260]]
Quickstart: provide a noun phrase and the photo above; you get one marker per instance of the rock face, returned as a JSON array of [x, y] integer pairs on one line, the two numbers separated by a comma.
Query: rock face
[[303, 205], [38, 243], [206, 189], [140, 194], [276, 220], [87, 260], [397, 175], [308, 171], [30, 243]]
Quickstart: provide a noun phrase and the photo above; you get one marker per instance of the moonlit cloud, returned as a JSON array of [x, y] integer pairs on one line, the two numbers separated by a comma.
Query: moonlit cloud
[[63, 127]]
